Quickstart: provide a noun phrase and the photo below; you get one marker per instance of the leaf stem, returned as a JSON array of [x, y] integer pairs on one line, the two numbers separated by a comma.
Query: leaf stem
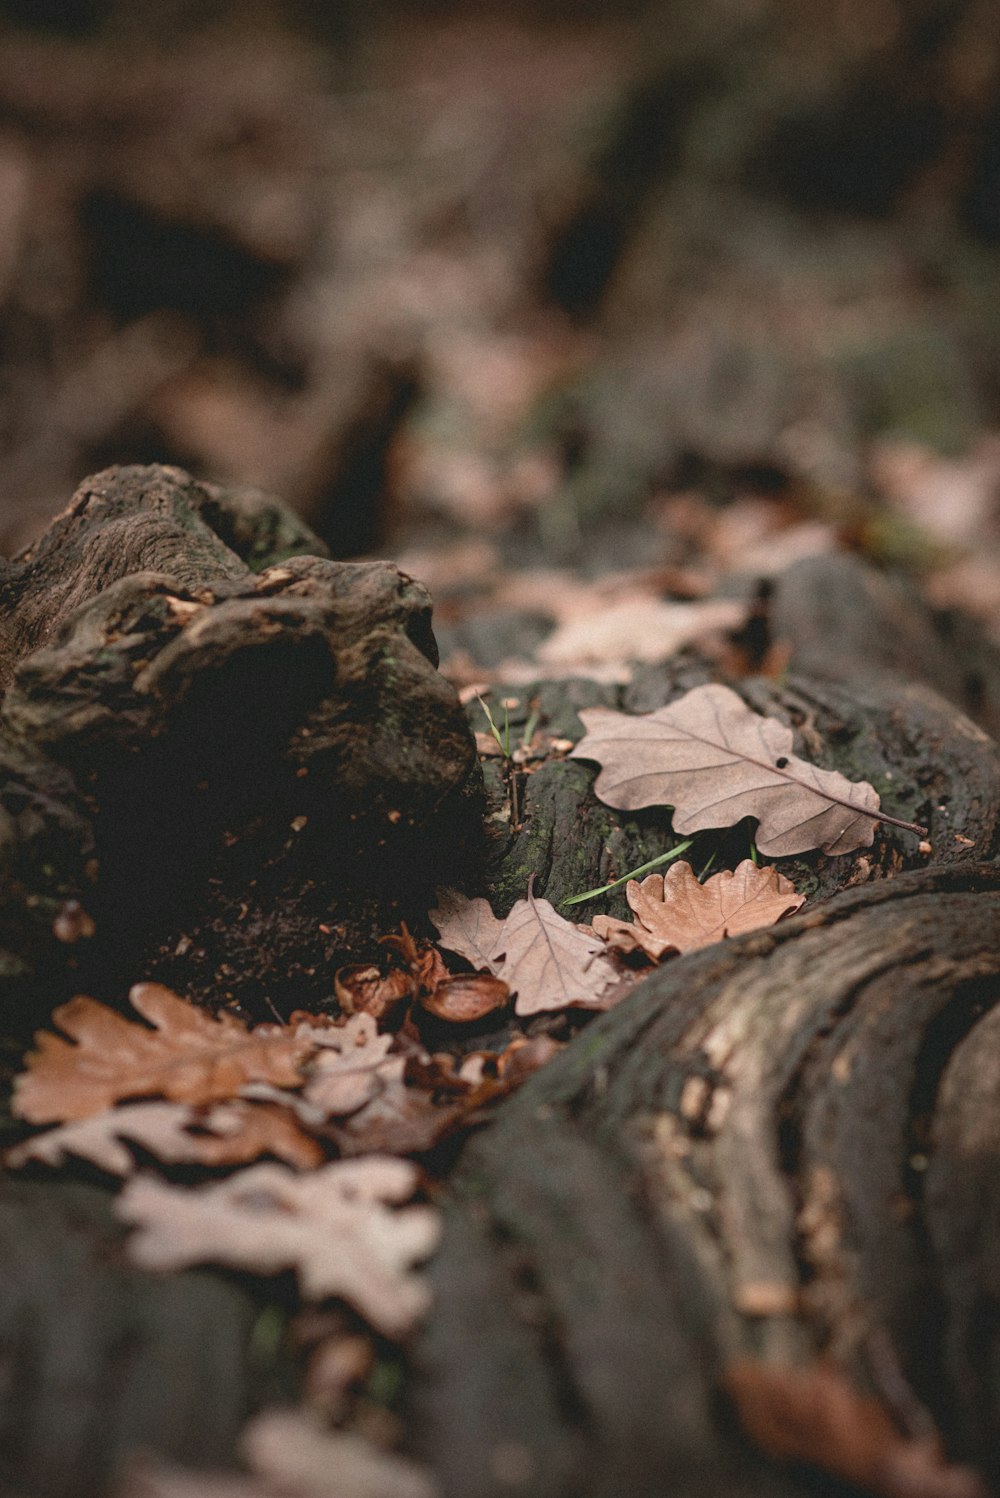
[[644, 868], [881, 816]]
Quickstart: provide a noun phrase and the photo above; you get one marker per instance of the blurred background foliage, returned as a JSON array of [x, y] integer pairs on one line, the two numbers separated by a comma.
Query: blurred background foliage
[[519, 276]]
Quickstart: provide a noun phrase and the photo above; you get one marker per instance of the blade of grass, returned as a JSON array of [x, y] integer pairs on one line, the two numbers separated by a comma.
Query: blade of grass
[[644, 868], [502, 742]]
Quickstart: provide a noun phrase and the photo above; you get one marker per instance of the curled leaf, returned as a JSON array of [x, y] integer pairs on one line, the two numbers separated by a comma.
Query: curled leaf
[[466, 997]]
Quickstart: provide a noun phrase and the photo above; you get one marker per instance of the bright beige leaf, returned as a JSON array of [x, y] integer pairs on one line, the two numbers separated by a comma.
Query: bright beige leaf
[[228, 1134], [294, 1451], [546, 960], [645, 629], [351, 1067], [674, 913], [338, 1227], [190, 1056], [714, 760]]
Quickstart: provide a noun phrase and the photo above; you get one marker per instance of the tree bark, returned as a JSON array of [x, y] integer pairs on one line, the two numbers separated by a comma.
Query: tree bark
[[779, 1148], [226, 763]]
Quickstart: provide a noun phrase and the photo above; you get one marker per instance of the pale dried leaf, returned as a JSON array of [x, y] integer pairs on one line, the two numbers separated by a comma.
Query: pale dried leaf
[[645, 629], [674, 912], [228, 1134], [715, 761], [351, 1068], [190, 1056], [335, 1226], [472, 928], [546, 960], [295, 1452]]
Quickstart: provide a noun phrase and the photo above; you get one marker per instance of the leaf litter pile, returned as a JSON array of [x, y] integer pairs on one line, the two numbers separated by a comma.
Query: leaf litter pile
[[300, 1135]]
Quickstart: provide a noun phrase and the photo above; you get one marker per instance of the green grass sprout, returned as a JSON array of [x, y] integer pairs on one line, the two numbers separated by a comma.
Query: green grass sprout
[[644, 868], [503, 742]]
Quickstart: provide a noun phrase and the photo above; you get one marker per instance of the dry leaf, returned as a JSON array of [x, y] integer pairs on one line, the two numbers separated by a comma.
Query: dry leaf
[[336, 1226], [400, 1120], [715, 761], [190, 1056], [644, 629], [351, 1068], [466, 997], [363, 987], [812, 1414], [674, 913], [546, 960], [473, 930], [230, 1133], [292, 1450]]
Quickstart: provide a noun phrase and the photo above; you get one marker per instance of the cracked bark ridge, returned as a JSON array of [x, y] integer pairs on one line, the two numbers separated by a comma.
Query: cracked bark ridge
[[224, 759], [779, 1147]]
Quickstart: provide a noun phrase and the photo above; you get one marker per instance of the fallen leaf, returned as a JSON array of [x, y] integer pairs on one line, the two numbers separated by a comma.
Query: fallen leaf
[[335, 1226], [351, 1068], [472, 928], [547, 961], [714, 760], [674, 913], [363, 987], [189, 1056], [466, 997], [812, 1414], [293, 1450], [230, 1133], [645, 629], [400, 1120]]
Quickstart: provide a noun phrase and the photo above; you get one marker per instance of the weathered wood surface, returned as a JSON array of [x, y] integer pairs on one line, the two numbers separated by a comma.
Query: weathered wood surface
[[779, 1146], [233, 755]]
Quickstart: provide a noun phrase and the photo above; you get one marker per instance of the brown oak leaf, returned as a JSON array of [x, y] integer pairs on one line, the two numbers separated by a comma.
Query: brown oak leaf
[[188, 1056], [343, 1228], [546, 960], [812, 1414], [714, 760], [674, 913], [229, 1133]]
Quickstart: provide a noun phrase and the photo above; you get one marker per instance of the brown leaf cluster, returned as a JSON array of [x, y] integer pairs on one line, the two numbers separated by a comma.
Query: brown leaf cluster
[[217, 1093], [422, 979]]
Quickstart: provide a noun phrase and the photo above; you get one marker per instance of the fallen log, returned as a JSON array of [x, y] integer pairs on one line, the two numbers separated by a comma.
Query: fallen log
[[776, 1156]]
